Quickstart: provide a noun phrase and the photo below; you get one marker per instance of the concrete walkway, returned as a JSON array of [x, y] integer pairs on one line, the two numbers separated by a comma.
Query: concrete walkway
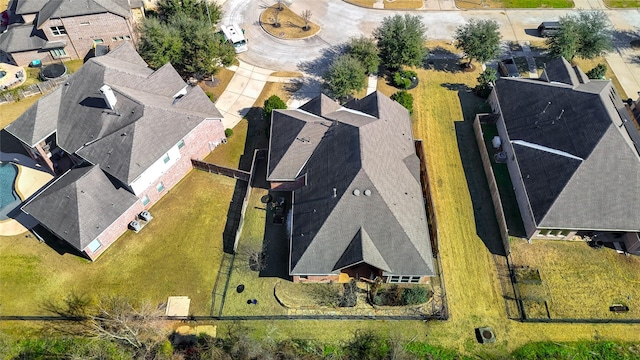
[[241, 92]]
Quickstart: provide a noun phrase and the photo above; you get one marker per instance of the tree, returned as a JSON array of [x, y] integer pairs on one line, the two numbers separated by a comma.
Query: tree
[[586, 34], [306, 16], [405, 99], [181, 34], [486, 80], [276, 16], [279, 4], [479, 40], [365, 50], [272, 103], [160, 44], [401, 41], [345, 76], [597, 72]]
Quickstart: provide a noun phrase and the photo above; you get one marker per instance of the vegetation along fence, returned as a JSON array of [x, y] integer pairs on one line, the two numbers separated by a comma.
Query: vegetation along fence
[[493, 185], [433, 227], [20, 93]]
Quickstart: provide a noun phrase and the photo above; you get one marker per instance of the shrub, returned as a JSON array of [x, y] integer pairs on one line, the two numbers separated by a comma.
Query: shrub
[[349, 296], [211, 96], [405, 99], [414, 295], [228, 132], [272, 103], [597, 72], [402, 79]]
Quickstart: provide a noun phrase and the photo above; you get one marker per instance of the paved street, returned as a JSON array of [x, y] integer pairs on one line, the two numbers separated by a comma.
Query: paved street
[[340, 21]]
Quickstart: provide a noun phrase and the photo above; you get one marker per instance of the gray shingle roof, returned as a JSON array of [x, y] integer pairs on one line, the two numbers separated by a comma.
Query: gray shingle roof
[[578, 162], [80, 205], [29, 6], [377, 215], [20, 38], [69, 8], [146, 123]]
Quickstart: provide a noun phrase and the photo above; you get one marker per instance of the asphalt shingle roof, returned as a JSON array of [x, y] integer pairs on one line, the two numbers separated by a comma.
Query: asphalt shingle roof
[[20, 38], [575, 152], [146, 123], [377, 215], [69, 8], [80, 205]]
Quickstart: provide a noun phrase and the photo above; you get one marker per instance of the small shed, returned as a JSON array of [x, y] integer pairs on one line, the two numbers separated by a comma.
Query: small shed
[[178, 306]]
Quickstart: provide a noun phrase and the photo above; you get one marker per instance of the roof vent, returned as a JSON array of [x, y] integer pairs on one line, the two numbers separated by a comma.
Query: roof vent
[[356, 192], [182, 92], [335, 192], [367, 192], [108, 96]]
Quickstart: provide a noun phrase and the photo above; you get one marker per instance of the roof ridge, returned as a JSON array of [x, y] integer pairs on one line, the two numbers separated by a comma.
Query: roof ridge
[[546, 149]]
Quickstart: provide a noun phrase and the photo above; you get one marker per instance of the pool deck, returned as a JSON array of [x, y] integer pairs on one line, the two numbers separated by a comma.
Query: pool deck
[[10, 79], [27, 183]]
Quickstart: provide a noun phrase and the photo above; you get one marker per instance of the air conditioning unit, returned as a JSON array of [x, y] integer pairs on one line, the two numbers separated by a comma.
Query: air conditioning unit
[[135, 226], [145, 215]]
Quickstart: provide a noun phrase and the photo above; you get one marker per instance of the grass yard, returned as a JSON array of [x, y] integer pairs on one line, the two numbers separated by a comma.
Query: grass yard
[[393, 4], [178, 253], [583, 282], [622, 3], [291, 25], [515, 4], [222, 79], [11, 111]]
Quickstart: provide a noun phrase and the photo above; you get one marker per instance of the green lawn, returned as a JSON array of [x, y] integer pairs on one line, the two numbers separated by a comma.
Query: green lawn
[[622, 3], [515, 4], [178, 253]]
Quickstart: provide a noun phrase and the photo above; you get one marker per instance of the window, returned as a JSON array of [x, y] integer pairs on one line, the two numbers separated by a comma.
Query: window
[[127, 37], [406, 279], [180, 144], [58, 30], [94, 245], [114, 39], [84, 23], [97, 41], [565, 232], [554, 232], [166, 158], [59, 52], [160, 187], [145, 200], [543, 232], [120, 37]]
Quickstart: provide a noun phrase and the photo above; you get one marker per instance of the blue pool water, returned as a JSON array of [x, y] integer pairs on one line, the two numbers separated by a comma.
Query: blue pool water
[[8, 197]]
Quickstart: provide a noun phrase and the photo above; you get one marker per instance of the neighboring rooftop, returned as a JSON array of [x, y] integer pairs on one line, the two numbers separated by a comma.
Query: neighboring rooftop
[[576, 149]]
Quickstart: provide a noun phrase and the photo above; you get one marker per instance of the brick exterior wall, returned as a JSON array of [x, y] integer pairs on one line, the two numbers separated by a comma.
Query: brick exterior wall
[[196, 147], [288, 185], [115, 230], [80, 37], [25, 57]]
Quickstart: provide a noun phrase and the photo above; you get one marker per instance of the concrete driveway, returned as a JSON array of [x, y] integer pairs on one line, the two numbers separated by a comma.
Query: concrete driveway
[[340, 21]]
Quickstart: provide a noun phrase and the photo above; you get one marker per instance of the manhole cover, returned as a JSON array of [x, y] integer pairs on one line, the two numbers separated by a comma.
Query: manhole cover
[[240, 288]]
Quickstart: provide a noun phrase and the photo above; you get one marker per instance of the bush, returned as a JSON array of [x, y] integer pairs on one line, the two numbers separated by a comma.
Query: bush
[[211, 96], [597, 72], [272, 103], [349, 295], [405, 99], [402, 79], [415, 295], [228, 132]]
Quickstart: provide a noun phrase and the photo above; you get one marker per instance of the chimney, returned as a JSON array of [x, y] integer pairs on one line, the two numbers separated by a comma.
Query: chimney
[[108, 96]]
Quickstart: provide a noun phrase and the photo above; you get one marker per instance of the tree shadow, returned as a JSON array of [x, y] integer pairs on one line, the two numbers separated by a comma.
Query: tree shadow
[[484, 215], [622, 39]]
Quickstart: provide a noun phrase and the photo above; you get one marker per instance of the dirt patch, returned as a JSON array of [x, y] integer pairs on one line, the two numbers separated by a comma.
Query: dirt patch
[[286, 24]]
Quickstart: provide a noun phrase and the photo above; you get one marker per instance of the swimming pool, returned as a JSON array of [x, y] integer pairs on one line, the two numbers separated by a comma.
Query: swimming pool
[[9, 199]]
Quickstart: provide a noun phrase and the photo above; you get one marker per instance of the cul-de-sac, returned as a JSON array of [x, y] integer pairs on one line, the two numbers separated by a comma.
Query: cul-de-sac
[[326, 179]]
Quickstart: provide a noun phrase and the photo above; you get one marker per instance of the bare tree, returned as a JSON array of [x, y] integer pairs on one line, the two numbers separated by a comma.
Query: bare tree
[[137, 327], [279, 4], [276, 14], [255, 258], [306, 15]]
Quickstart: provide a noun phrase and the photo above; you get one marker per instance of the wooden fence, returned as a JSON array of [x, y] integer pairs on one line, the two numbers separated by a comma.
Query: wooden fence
[[433, 224], [493, 185], [221, 170], [31, 90]]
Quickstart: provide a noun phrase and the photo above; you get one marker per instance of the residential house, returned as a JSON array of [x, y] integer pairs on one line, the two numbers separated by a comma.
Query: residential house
[[120, 135], [357, 209], [62, 29], [572, 153]]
